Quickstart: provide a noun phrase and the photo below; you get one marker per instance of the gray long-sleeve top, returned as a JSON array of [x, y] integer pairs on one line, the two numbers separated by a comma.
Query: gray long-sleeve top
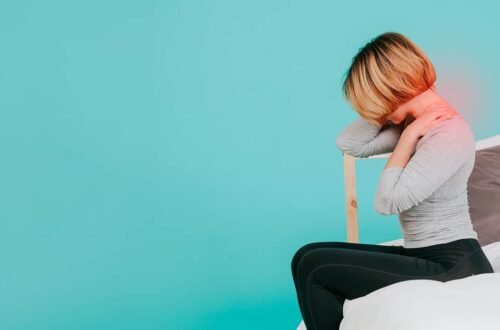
[[430, 192]]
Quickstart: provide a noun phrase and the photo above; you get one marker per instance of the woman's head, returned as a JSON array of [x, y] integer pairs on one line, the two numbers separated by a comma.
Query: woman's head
[[387, 72]]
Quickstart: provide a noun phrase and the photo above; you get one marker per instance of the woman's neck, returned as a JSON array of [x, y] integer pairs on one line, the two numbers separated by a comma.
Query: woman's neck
[[427, 100]]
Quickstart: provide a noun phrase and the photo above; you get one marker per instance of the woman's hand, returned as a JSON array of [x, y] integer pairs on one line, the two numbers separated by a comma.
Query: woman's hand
[[409, 138], [430, 118]]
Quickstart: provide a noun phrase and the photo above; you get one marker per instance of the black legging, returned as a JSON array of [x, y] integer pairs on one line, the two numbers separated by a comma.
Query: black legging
[[326, 273]]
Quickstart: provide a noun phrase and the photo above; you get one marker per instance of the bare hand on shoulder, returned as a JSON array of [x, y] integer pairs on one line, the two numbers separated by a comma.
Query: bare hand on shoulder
[[427, 120]]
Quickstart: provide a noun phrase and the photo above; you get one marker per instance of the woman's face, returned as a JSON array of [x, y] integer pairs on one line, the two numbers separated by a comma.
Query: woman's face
[[403, 111], [397, 116]]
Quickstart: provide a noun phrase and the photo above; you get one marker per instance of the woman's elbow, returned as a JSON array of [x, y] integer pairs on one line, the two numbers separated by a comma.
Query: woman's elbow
[[383, 210], [341, 144], [387, 206], [352, 150]]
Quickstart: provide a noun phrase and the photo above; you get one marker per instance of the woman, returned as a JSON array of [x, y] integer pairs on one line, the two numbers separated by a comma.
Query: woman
[[391, 84]]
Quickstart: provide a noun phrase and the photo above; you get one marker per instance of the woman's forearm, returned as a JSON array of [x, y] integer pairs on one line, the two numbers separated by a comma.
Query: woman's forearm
[[403, 151], [363, 139]]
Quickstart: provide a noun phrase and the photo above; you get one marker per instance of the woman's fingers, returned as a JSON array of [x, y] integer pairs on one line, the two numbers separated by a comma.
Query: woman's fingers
[[444, 113], [435, 113], [445, 117], [442, 110]]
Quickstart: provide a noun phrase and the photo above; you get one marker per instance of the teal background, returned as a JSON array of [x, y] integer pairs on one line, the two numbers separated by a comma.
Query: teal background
[[163, 160]]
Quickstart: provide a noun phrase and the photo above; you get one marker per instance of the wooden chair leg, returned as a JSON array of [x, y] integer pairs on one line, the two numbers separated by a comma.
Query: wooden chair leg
[[350, 198]]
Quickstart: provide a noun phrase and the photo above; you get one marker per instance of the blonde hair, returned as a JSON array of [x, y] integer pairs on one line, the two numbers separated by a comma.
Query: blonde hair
[[387, 72]]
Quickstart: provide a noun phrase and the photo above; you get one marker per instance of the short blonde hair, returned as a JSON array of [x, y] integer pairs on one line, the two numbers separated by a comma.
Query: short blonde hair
[[387, 72]]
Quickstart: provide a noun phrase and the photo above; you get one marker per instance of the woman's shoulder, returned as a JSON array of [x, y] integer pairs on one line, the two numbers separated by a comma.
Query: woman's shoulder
[[453, 129], [450, 136]]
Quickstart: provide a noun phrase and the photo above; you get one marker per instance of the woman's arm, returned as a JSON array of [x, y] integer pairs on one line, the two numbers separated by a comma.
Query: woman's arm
[[409, 179], [410, 136], [403, 150], [363, 139]]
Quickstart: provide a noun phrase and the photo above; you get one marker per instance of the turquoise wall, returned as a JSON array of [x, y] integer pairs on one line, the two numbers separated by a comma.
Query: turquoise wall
[[163, 160]]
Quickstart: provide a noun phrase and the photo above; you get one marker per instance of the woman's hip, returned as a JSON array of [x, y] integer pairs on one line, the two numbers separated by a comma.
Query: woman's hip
[[460, 258]]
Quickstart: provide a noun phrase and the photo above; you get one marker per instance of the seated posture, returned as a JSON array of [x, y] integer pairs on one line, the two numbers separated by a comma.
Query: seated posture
[[391, 84]]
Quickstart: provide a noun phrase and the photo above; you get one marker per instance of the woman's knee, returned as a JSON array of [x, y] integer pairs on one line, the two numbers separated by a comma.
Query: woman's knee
[[310, 257], [299, 254], [315, 259]]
